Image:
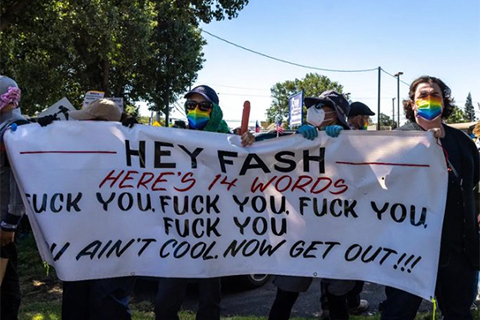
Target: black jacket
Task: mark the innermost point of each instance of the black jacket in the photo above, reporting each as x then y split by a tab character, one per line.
460	227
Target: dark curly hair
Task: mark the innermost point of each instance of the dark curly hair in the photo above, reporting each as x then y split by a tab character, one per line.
446	93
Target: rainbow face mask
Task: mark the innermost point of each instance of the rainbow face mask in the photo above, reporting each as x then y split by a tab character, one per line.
429	108
198	119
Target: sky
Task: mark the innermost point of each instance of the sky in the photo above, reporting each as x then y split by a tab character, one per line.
439	38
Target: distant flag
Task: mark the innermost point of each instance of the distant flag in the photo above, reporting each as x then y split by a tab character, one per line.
257	127
278	127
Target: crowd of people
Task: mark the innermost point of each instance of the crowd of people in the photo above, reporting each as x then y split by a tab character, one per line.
428	105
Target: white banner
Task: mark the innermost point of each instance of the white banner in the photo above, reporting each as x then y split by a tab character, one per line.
108	201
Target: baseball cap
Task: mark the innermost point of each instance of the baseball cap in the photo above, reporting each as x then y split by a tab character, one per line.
101	109
334	100
205	91
359	108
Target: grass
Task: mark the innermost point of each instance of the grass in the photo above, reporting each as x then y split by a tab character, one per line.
42	293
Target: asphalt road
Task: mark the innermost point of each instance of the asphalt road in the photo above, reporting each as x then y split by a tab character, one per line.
257	302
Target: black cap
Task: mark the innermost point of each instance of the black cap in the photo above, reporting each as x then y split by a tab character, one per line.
207	92
334	100
358	108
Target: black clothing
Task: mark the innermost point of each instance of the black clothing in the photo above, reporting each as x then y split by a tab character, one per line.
454	295
100	299
10	293
283	304
459	247
460	227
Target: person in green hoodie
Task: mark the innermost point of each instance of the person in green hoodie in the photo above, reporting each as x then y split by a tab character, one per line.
203	113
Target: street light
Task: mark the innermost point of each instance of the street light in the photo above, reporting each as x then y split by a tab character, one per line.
397	75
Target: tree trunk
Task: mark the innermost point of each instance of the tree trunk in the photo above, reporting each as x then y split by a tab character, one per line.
105	75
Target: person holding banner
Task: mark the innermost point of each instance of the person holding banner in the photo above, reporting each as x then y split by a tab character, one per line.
428	105
11	204
358	119
326	113
359	116
329	114
203	113
102	298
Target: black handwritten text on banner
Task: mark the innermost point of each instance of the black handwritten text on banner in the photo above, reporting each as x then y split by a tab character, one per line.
106	201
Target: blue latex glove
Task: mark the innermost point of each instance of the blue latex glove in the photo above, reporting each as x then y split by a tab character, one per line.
333	131
308	131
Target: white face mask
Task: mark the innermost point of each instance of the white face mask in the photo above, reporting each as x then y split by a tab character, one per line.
315	116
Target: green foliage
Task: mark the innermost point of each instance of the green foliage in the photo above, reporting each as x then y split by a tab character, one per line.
312	85
174	58
457	116
386	121
132	110
135	49
469	109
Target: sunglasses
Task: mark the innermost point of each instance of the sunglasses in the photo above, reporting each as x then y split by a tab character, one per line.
203	106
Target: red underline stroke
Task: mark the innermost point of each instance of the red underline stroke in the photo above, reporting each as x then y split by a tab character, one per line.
384	164
63	152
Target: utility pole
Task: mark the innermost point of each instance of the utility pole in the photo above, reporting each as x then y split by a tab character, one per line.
393	110
378	109
397	75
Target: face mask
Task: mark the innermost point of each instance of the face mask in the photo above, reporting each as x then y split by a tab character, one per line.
429	108
315	116
198	119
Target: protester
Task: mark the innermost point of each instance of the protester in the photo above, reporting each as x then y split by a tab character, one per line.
358	119
103	298
11	205
359	116
328	112
203	113
428	105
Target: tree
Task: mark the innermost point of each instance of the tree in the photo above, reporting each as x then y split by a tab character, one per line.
65	48
457	116
174	59
312	85
469	109
385	121
198	10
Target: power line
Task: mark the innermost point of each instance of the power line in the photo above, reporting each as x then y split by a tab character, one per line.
294	63
391	75
179	109
243	95
284	61
221	85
